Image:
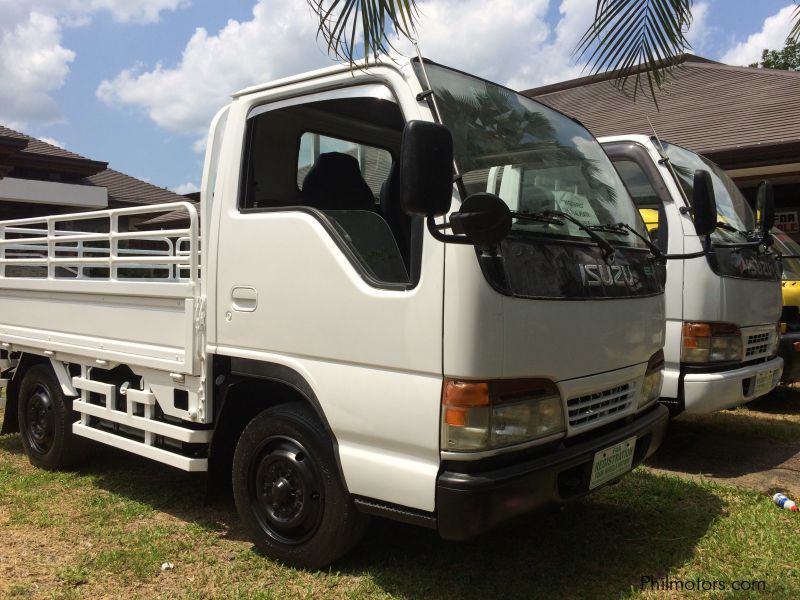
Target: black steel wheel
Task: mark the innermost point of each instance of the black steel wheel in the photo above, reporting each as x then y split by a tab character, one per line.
288	491
45	419
39	425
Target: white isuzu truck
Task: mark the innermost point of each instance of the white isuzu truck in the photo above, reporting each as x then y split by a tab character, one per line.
352	326
722	334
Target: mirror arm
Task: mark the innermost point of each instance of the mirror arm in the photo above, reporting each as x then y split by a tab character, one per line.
703	252
435	231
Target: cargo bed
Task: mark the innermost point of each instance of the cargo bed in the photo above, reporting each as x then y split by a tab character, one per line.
89	285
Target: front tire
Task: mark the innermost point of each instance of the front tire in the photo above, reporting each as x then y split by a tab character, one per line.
45	421
288	491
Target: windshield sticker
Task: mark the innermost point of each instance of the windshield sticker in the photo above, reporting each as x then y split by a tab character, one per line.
577	206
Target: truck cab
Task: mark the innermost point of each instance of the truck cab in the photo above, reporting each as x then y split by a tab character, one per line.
355	326
722	309
790	316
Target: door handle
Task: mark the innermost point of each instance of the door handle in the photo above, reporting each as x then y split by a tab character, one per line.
244	298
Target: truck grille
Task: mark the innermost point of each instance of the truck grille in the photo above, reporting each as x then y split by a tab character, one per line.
600	407
757	344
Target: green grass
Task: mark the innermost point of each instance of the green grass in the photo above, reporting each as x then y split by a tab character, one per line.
105	530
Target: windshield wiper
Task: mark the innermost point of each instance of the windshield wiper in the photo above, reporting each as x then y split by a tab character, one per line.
625	229
557	217
539	217
728	227
754	237
610	228
654	250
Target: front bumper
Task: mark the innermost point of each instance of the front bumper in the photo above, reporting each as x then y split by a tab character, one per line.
791	358
709	392
471	503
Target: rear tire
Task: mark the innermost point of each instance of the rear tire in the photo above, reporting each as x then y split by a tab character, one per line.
45	421
288	491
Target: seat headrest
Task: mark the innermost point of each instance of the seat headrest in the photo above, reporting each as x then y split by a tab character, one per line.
390	194
334	182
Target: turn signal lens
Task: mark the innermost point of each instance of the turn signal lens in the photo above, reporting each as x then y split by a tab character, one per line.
499	413
465	393
711	342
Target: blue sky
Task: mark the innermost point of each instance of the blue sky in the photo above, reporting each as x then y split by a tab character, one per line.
135	82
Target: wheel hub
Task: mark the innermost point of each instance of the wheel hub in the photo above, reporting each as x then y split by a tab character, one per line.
40	420
287	492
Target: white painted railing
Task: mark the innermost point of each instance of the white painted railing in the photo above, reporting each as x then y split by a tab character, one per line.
58	243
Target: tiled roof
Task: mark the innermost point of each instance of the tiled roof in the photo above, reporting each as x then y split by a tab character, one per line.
123	190
176	219
707	106
36	146
129	190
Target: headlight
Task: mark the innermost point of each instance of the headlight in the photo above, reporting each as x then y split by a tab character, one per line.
776	341
653	379
494	414
711	342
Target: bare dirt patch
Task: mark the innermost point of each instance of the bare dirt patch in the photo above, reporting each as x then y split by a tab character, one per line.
756	447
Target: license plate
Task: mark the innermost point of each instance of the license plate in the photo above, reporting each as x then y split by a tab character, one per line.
763	383
612	462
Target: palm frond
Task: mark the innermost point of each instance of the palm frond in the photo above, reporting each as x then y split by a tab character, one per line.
794	34
629	33
354	29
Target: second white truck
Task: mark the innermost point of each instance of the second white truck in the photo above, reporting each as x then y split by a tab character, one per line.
722	331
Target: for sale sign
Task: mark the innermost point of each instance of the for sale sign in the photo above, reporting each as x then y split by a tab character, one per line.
787	221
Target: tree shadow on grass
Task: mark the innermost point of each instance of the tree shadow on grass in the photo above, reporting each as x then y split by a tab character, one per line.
783	400
163	488
720	445
600	546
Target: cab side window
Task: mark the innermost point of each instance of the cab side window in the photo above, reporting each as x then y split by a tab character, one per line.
334	160
650	206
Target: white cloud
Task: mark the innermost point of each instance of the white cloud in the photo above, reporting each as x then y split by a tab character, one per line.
77	12
186	188
555	60
33	61
701	32
279	40
139	11
772	36
52	142
504	40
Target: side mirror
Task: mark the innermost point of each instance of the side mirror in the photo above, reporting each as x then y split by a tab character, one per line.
765	207
483	218
704	204
426	169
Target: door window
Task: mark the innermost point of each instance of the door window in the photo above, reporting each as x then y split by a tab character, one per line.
332	158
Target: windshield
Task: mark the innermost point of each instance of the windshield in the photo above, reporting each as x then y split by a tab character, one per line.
536	159
786	246
733	213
